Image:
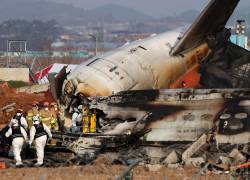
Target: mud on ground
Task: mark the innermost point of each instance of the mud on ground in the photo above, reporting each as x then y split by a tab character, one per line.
102	171
102	168
22	100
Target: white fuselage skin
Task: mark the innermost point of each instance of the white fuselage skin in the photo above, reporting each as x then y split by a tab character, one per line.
143	64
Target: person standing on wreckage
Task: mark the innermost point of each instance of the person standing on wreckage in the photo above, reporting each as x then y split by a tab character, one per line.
19	136
77	119
40	133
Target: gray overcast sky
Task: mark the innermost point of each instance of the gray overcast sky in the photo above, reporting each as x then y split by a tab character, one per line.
151	7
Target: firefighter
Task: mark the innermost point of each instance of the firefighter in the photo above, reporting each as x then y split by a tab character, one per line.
86	119
48	117
93	121
32	112
54	108
19	136
21	119
40	133
77	119
54	124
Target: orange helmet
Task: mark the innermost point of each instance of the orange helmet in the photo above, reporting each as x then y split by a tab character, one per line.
35	103
46	104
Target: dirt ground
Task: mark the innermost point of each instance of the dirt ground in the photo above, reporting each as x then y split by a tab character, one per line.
102	172
22	100
102	168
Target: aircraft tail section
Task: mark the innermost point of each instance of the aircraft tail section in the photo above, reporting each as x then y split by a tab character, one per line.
212	20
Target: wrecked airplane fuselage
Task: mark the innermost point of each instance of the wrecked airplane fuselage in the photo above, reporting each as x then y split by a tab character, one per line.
177	115
141	65
154	63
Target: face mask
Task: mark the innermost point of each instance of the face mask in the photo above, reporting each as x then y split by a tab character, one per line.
36	122
15	122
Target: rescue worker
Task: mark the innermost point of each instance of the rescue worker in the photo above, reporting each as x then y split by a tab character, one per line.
40	133
48	117
32	112
54	124
86	119
93	121
22	120
19	136
35	107
54	108
77	119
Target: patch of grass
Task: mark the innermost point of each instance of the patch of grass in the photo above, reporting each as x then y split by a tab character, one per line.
17	84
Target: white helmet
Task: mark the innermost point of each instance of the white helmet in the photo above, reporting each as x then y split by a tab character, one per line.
15	122
36	119
19	114
79	107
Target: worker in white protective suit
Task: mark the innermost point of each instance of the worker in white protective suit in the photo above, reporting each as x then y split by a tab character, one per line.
22	121
40	133
19	136
77	119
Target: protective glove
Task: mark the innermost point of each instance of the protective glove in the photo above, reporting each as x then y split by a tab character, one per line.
49	140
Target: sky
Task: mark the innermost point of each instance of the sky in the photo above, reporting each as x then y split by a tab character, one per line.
155	8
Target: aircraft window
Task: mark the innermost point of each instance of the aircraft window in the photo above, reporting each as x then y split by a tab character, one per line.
236	125
244	103
241	116
113	68
93	61
189	117
206	117
225	116
133	50
142	48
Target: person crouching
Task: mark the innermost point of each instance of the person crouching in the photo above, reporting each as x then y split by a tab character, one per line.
19	136
40	133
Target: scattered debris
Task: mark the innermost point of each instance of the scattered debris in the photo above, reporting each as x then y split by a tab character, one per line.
174	166
172	158
8	107
153	168
237	156
127	173
196	162
194	147
225	160
245	165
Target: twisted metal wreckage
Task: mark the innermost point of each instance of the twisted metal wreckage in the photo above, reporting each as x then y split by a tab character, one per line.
116	85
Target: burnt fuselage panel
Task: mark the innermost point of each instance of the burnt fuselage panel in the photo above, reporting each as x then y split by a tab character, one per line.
176	115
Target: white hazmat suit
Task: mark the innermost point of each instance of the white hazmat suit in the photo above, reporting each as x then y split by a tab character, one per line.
19	136
23	122
77	119
40	133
